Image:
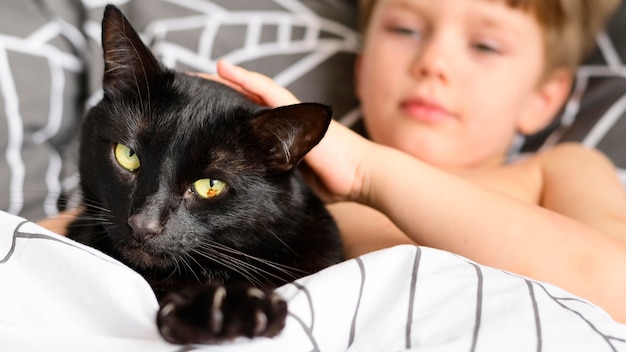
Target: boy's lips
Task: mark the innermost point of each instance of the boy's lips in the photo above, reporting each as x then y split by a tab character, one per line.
424	110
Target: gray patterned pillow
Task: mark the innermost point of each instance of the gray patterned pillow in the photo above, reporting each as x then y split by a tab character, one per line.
307	45
41	75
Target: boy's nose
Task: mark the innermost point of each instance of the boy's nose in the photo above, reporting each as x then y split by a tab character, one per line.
433	60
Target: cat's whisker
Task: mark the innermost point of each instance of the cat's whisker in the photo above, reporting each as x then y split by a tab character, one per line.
181	267
86	216
165	278
187	265
177	267
93	205
81	225
98	234
266	273
283	243
175	272
233	264
222	259
88	220
288	270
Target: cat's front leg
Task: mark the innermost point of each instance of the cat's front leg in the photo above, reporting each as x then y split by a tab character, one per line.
216	313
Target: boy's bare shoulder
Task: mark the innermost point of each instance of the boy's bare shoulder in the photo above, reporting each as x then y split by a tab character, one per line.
571	157
570	171
567	168
582	183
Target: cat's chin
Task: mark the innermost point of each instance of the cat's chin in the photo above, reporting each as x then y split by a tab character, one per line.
141	258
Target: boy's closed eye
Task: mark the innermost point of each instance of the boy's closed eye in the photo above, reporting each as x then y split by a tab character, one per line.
489	41
404	24
485	47
406	31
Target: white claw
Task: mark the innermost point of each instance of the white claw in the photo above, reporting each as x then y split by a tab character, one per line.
255	292
165	331
217	317
276	298
167	310
260	323
218	297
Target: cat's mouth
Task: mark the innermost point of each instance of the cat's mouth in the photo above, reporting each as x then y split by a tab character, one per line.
146	256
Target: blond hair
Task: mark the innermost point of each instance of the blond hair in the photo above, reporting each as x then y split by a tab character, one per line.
569	26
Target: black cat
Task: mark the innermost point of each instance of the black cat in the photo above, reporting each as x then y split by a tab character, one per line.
195	187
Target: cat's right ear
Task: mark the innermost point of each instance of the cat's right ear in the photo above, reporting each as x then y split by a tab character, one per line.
287	133
128	63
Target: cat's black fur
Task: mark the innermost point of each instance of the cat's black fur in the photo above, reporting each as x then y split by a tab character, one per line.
204	258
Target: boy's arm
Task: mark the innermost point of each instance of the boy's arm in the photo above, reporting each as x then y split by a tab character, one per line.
58	223
439	209
364	229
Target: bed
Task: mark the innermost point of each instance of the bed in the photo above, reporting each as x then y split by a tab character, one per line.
58	295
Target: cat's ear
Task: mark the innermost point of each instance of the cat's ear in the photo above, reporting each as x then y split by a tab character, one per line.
289	132
128	63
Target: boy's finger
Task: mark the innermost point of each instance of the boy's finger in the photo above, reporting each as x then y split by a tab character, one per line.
255	98
257	84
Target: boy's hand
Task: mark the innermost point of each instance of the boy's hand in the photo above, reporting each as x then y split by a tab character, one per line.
334	168
342	165
257	87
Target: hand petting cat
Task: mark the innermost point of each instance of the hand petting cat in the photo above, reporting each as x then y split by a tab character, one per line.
334	167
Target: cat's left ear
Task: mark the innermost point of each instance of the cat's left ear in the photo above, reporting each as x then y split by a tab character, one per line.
289	132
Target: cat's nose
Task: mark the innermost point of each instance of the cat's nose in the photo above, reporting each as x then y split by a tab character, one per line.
144	227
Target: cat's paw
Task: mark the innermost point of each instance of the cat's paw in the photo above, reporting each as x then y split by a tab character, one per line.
216	314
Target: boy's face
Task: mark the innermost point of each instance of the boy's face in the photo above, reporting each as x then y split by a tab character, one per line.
451	81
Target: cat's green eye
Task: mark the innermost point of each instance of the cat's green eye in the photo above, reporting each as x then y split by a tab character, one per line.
126	157
208	188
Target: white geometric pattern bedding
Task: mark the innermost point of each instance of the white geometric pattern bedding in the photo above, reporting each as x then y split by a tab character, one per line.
58	295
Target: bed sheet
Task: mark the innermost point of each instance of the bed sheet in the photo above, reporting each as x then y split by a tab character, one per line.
58	295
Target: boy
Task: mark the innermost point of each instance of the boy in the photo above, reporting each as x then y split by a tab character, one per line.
444	86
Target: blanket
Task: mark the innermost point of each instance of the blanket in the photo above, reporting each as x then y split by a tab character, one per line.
58	295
